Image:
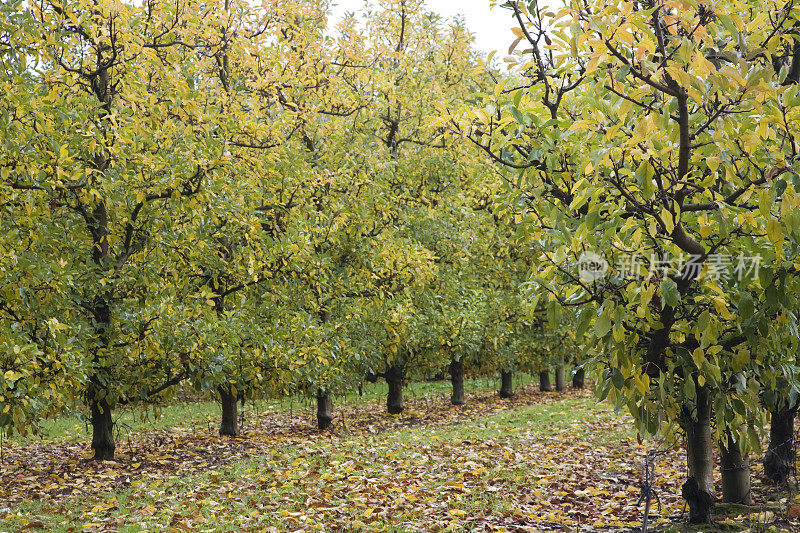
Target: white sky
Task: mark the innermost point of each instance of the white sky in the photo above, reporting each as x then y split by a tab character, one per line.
491	26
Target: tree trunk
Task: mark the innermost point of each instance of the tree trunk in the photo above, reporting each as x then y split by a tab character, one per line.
457	381
735	472
229	427
544	381
324	408
97	225
394	400
102	430
793	76
561	382
506	384
578	378
698	490
780	457
103	443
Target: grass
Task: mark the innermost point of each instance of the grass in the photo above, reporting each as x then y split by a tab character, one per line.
391	481
76	427
559	461
204	413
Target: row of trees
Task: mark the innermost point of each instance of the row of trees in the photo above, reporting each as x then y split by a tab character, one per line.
213	194
232	197
658	139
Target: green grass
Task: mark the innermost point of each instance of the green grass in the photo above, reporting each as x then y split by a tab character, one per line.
279	482
204	413
76	427
493	471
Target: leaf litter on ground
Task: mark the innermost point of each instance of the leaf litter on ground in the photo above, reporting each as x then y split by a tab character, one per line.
537	462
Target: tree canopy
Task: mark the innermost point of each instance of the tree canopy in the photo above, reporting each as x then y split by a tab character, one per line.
242	200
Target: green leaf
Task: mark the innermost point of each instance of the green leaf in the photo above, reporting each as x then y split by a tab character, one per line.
602	325
688	389
746	306
670	293
617	379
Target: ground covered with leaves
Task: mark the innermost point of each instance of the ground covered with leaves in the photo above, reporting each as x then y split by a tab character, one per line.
539	462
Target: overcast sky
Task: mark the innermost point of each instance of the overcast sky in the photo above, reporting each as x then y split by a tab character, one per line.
490	26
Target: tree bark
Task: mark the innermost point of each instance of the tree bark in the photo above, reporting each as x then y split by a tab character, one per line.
735	472
506	384
561	381
780	457
324	410
578	378
394	400
793	76
698	490
457	381
102	423
102	430
229	426
544	381
96	221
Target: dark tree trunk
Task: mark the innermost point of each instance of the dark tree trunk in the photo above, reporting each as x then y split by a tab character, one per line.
102	430
228	397
578	378
457	381
698	490
394	400
324	410
735	472
561	381
103	443
229	426
780	457
544	381
97	225
793	76
506	384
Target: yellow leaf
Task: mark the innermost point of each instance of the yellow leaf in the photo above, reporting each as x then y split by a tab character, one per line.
698	356
642	385
705	227
774	231
669	223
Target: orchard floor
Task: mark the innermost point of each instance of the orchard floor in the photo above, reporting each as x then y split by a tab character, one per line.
539	462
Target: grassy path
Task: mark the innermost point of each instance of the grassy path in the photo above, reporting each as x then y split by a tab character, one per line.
542	462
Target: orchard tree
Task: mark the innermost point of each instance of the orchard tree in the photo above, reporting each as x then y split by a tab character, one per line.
112	139
659	138
455	316
384	173
353	253
781	397
248	235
